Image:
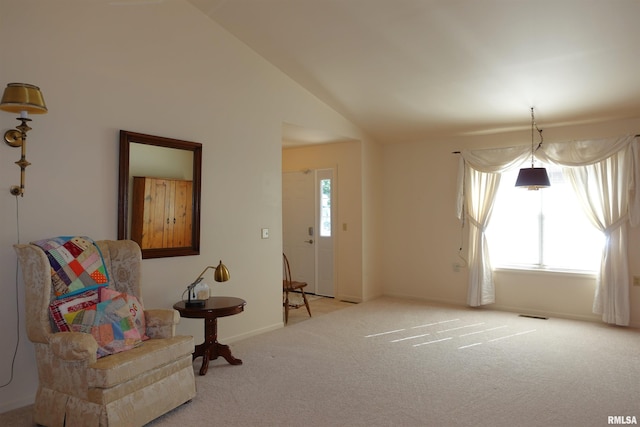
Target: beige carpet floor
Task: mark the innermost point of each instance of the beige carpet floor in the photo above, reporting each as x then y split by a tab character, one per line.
319	306
395	362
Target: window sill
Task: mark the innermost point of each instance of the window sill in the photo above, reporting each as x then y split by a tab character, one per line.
546	271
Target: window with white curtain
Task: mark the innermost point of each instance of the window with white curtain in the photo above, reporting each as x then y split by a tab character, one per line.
544	229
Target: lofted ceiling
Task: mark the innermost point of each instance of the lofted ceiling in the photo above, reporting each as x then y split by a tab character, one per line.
419	70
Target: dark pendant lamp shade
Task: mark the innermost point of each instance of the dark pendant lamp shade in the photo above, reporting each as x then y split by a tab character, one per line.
533	178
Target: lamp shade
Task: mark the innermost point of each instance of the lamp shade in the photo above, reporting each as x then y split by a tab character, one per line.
533	178
221	274
18	97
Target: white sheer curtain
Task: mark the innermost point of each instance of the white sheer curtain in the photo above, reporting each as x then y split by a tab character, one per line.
478	180
604	174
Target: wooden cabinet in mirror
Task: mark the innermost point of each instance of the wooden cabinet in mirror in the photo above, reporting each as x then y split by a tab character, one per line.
159	194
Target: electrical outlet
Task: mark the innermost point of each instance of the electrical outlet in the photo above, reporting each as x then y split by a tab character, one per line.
636	280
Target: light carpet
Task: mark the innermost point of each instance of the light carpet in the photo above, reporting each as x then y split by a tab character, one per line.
393	362
396	362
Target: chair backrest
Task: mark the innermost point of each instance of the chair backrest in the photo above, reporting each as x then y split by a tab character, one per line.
286	273
122	259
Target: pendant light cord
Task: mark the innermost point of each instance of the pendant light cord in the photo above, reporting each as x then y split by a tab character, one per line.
534	125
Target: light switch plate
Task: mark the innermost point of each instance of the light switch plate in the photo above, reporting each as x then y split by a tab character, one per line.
265	233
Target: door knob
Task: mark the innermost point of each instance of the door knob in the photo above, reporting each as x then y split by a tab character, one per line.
310	241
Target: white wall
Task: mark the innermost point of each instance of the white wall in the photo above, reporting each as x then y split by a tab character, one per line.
161	69
422	235
373	199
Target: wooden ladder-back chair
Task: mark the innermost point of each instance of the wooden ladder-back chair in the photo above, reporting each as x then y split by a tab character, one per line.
289	285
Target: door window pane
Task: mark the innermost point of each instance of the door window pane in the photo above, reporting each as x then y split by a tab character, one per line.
325	208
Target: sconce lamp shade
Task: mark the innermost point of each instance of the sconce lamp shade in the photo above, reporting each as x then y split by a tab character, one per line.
18	97
533	178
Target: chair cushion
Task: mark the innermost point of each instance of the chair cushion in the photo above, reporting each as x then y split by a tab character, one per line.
117	368
151	386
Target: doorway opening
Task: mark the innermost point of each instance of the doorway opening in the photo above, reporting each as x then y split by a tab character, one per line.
308	225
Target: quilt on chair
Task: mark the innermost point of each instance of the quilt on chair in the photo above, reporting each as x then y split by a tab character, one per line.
76	264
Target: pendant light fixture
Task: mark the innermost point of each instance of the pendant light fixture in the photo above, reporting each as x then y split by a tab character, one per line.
533	178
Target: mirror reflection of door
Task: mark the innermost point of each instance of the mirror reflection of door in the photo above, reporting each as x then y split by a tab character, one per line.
308	212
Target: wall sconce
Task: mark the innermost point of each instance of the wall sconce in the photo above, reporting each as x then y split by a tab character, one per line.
21	98
221	274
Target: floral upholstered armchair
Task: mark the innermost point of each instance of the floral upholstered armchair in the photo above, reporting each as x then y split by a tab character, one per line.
78	384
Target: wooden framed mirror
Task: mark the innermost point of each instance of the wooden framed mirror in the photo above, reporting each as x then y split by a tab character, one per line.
159	185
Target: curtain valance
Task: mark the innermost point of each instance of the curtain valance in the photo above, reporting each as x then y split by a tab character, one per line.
583	153
568	154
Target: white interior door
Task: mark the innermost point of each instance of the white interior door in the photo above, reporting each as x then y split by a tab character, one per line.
325	212
308	221
298	226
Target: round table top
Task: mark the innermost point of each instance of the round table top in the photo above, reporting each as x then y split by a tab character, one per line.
214	306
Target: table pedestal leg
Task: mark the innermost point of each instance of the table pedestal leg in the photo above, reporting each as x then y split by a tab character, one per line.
210	349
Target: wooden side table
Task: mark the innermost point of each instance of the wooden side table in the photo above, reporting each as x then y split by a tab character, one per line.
215	307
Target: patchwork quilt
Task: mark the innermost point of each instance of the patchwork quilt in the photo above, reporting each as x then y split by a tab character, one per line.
110	323
63	305
76	264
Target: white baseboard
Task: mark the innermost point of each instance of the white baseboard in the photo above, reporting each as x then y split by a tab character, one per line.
259	331
349	298
433	300
560	315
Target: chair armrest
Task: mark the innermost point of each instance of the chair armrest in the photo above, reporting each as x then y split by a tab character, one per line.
74	346
161	323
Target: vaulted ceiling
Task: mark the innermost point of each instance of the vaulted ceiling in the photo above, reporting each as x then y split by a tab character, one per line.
419	70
